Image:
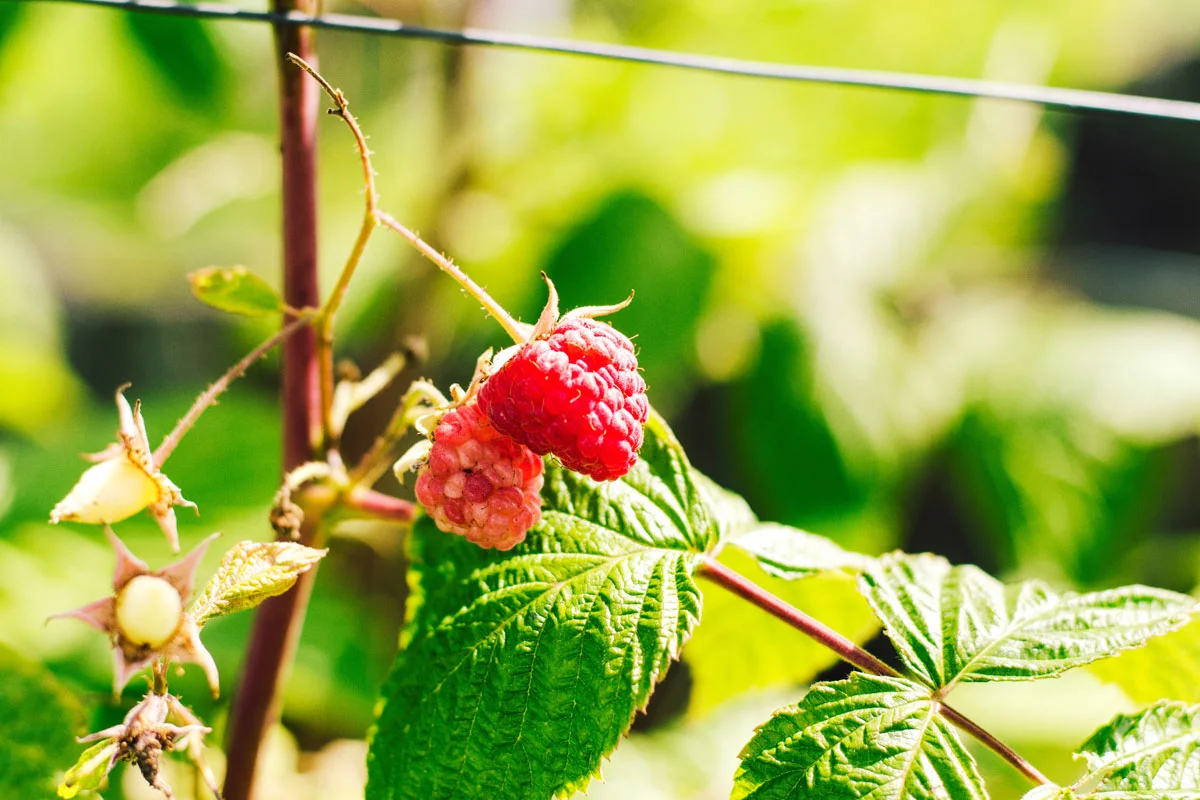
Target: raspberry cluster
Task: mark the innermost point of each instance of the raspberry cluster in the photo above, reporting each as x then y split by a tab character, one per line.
479	483
574	393
571	390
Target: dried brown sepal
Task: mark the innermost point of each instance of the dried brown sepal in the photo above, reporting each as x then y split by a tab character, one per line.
180	639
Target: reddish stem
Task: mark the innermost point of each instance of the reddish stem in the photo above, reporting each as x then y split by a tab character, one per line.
748	590
381	506
278	621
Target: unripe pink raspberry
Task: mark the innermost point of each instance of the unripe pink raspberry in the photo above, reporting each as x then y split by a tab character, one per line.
479	483
574	392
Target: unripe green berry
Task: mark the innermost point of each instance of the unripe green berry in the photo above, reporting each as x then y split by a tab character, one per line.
149	611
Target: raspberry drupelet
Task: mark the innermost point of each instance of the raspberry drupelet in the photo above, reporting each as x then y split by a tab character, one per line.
574	392
479	483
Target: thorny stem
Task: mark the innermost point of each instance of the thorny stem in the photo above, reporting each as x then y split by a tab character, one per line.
370	222
374	217
748	590
210	395
753	593
514	329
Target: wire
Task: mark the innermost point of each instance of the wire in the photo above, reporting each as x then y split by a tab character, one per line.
1076	99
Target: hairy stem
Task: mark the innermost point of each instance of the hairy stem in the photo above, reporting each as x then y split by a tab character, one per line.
278	620
210	395
748	590
370	222
753	593
381	506
515	329
374	217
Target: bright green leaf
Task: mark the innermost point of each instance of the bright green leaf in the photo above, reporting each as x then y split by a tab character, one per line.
792	553
1167	667
91	768
1152	755
739	648
250	573
730	511
953	624
236	290
866	736
38	723
525	668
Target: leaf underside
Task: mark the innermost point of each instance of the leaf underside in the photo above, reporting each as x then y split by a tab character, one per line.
953	624
865	736
524	669
236	290
788	552
1152	754
740	649
250	573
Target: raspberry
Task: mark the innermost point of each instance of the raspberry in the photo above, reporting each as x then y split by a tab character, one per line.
479	483
574	392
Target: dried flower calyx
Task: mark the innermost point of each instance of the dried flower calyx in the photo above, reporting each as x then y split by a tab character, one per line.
124	480
141	739
145	617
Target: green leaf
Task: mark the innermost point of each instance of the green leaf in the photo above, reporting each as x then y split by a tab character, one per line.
1167	667
184	54
730	511
91	768
37	728
1152	754
954	624
788	552
236	290
250	573
524	669
866	736
740	649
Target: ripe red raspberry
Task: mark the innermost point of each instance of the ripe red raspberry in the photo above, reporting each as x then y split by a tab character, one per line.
574	392
479	483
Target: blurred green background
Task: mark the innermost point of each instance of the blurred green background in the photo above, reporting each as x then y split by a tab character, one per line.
901	321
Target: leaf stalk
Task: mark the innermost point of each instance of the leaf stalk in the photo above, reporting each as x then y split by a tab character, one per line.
751	592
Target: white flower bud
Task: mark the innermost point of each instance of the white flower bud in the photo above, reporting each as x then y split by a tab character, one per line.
111	491
149	611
